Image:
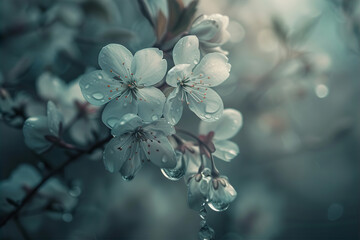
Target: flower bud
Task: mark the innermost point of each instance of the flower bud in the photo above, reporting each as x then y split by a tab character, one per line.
211	31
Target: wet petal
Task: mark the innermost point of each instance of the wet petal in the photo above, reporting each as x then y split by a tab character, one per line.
148	66
34	130
213	69
226	150
222	195
160	152
115	59
186	51
133	164
128	123
198	192
160	128
206	104
177	73
116	152
151	103
116	109
173	107
226	127
99	88
54	118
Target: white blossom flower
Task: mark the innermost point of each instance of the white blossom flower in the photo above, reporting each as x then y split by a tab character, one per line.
23	179
221	194
135	142
223	129
37	128
125	81
192	81
211	31
198	189
72	105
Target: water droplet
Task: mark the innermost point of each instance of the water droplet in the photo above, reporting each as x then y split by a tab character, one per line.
98	96
206	233
100	76
154	117
128	178
67	217
218	206
87	86
75	191
112	121
164	159
196	61
212	106
202	213
321	91
207	116
173	174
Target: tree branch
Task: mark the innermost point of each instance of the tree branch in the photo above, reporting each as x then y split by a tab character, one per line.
54	172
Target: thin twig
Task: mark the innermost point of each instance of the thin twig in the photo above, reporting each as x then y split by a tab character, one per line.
54	172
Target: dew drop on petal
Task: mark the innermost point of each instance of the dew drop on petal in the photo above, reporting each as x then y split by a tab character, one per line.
207	116
218	206
154	117
100	76
212	107
164	159
196	61
87	86
98	96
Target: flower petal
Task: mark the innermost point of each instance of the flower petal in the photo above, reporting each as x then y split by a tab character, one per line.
160	152
206	104
160	128
128	123
222	196
115	58
198	192
49	86
226	127
54	118
213	69
116	152
173	107
148	66
99	88
186	51
226	150
151	102
34	130
177	73
116	109
133	164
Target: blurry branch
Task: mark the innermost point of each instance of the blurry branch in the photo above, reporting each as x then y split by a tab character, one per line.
54	172
22	229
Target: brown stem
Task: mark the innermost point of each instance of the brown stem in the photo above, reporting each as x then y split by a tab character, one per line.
214	170
54	172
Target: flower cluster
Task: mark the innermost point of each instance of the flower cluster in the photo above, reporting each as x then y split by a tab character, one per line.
140	97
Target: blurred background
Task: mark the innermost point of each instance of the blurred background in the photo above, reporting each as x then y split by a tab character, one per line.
295	78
